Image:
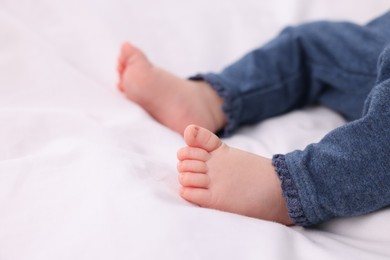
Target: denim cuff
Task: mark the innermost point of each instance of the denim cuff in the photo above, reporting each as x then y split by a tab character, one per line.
230	107
290	191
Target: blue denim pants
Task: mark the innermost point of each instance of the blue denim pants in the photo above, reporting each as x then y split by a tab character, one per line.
340	65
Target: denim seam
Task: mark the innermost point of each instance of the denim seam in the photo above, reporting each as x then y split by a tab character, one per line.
342	71
275	86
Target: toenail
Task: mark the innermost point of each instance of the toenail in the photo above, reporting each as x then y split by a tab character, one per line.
196	130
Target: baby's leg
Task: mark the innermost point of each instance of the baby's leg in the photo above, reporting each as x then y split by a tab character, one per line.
347	172
320	62
217	176
172	101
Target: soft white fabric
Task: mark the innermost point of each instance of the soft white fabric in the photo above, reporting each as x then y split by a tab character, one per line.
87	174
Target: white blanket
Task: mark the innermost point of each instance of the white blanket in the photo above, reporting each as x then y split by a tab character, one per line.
87	174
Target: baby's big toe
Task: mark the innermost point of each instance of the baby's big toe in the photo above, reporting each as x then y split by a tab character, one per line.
196	136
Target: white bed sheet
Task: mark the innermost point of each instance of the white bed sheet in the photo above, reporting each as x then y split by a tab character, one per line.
87	174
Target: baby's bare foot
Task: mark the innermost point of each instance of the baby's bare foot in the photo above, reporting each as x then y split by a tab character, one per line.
217	176
172	101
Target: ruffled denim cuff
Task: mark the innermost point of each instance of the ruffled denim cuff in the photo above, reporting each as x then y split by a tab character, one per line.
290	192
231	106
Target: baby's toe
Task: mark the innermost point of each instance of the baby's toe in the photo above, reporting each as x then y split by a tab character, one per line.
192	153
198	180
196	136
198	196
194	166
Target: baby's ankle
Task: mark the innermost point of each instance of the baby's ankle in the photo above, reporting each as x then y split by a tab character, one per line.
215	102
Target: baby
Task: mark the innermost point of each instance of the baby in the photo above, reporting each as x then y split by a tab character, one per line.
340	65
